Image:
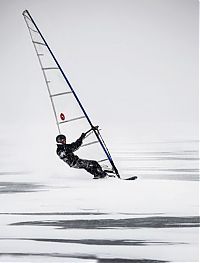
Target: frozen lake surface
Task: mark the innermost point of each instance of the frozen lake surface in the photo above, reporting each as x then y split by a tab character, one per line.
62	215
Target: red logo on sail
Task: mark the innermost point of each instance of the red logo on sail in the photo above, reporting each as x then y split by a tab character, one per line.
62	116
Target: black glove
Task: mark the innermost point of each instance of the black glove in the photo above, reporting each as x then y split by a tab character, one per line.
83	135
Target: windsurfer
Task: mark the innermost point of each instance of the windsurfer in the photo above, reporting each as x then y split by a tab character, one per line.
66	153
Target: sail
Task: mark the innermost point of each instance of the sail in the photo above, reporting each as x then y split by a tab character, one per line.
71	118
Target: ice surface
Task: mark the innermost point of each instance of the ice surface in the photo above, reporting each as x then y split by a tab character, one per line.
51	213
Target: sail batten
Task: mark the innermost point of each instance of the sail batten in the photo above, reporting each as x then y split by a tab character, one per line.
69	113
39	43
90	143
75	119
60	94
104	160
49	68
32	29
25	16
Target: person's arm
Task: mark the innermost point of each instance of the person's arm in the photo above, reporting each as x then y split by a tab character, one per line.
75	145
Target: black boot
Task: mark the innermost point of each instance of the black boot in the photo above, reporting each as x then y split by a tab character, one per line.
103	175
96	176
100	176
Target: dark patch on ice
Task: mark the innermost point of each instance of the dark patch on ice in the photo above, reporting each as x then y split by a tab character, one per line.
126	213
124	260
16	187
99	242
107	242
82	256
147	222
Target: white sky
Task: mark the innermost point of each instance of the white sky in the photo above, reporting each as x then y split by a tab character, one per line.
133	63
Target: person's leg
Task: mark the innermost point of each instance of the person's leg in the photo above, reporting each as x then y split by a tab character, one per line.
92	167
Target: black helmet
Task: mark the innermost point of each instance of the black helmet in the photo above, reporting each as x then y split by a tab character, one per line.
60	137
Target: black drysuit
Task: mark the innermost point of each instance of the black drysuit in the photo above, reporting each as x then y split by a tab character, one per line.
65	152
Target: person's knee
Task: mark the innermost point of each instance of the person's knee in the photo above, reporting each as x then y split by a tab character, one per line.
96	164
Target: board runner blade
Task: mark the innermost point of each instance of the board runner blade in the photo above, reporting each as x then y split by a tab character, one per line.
131	178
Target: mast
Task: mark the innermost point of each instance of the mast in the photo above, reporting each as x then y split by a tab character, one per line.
27	15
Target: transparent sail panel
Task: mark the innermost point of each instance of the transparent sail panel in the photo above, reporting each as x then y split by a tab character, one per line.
70	118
